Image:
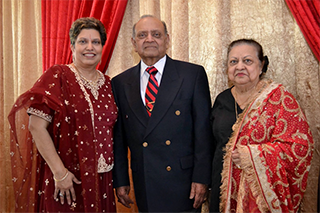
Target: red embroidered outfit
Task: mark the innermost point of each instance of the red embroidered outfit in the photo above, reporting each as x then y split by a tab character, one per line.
276	146
81	119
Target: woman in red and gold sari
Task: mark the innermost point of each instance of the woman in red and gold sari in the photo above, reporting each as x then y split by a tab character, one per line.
270	146
71	117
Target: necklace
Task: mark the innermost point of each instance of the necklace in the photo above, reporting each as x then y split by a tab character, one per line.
92	85
244	103
236	109
256	91
237	116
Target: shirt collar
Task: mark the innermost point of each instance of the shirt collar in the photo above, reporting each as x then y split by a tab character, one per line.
159	65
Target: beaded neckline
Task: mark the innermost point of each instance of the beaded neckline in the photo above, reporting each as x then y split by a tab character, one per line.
93	86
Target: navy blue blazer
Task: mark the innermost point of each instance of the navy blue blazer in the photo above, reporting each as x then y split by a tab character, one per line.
172	148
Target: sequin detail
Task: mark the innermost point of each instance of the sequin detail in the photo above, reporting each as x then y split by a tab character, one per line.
40	114
103	166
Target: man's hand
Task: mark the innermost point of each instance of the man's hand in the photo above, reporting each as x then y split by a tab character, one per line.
198	193
122	193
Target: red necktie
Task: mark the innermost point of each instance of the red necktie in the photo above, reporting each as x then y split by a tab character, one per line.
151	90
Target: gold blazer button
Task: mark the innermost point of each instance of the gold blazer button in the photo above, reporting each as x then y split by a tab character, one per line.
168	168
168	142
145	144
178	112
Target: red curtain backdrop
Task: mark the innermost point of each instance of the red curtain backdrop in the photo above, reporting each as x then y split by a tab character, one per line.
307	15
57	17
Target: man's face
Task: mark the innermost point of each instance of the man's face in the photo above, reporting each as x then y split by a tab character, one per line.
150	40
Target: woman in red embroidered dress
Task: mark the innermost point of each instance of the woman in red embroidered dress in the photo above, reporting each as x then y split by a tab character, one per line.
267	158
71	117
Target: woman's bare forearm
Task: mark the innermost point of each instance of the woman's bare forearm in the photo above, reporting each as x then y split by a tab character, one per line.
45	146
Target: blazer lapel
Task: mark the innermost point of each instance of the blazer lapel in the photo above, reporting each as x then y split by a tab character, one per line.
169	87
132	90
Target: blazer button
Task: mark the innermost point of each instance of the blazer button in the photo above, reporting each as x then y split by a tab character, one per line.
145	144
178	112
168	142
168	168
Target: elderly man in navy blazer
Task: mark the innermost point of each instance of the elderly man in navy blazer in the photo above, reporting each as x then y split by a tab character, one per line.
164	120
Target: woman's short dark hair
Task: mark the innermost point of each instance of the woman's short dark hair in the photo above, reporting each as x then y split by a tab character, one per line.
87	23
258	48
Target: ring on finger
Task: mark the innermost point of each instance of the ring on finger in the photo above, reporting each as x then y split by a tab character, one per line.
61	195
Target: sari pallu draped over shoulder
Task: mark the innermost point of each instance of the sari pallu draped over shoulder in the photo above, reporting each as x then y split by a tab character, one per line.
81	128
276	147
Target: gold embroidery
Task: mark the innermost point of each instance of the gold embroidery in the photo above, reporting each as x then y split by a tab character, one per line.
103	166
40	114
93	86
86	95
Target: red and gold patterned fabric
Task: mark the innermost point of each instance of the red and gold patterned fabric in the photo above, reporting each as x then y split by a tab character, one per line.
81	126
276	147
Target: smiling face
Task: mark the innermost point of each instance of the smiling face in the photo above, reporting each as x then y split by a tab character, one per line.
150	40
244	66
87	49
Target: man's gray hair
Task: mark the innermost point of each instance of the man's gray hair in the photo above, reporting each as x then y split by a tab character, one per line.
146	16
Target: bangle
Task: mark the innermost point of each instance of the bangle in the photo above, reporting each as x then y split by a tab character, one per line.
64	177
